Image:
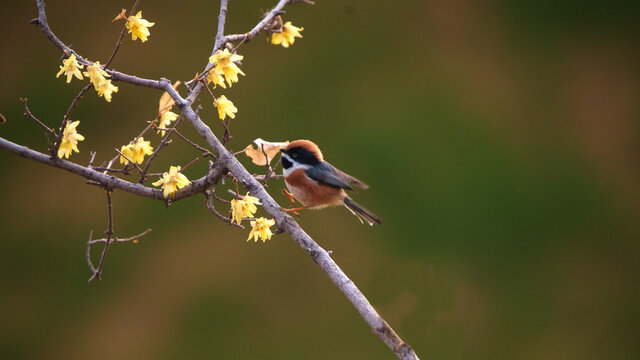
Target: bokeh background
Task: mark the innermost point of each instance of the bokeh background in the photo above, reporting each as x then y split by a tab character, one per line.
500	139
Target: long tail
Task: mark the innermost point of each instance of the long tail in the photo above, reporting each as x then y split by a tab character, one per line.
360	212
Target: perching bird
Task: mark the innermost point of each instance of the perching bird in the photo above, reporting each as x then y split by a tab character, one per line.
316	184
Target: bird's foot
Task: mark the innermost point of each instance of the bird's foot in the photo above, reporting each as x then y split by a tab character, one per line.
294	211
289	195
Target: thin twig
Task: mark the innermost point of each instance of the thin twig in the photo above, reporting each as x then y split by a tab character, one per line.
204	151
267	161
28	114
125	170
98	271
189	164
122	33
209	194
121	240
227	134
88	254
76	100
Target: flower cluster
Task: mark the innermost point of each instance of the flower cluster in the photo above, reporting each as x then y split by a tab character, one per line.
172	181
244	208
100	82
287	36
136	151
224	68
223	72
225	65
69	141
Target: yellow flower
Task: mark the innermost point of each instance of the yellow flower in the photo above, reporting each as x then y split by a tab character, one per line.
215	78
165	121
70	138
96	74
100	82
140	149
136	151
106	88
225	107
260	228
224	64
244	208
70	67
287	36
172	181
138	27
126	150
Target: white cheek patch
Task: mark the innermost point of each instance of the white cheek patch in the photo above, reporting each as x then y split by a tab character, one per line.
296	165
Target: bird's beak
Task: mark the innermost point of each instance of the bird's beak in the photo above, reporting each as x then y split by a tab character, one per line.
283	150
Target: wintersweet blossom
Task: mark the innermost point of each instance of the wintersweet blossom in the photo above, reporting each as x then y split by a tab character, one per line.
261	228
225	107
71	68
244	208
224	64
106	89
287	36
127	151
216	78
138	27
172	181
100	82
136	151
96	74
70	138
140	149
165	121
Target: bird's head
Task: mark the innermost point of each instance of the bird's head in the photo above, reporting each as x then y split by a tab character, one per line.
300	154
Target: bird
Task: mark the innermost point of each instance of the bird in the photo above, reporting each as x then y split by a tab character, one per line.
317	184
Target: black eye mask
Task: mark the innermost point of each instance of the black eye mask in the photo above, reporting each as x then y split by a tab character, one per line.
286	163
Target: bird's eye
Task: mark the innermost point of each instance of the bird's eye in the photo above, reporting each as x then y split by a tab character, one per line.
294	155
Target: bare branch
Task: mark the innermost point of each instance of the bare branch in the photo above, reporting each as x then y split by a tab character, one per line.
76	100
88	254
121	240
28	114
98	271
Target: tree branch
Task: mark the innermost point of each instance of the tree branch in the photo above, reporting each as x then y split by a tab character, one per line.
226	162
112	182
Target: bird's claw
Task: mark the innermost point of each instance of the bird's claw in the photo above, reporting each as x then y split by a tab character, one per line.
289	195
295	210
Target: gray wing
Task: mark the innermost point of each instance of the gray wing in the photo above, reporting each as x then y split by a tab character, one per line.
327	174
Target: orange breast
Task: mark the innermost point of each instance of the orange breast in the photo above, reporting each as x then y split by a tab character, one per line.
310	192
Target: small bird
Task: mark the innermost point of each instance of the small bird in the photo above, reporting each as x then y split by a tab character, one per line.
316	184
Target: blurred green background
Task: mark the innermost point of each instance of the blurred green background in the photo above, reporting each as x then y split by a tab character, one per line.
500	139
